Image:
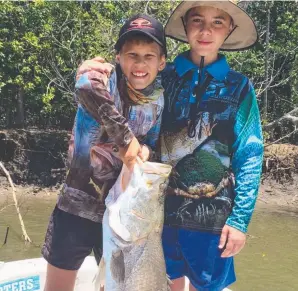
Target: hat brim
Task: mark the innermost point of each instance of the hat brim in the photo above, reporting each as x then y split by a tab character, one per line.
244	35
132	32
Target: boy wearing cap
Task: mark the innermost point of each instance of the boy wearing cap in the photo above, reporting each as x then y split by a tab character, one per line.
211	134
114	116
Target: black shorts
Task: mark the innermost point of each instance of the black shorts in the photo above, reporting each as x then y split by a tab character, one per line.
70	239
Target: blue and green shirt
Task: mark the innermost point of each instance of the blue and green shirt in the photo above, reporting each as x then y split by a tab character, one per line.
217	171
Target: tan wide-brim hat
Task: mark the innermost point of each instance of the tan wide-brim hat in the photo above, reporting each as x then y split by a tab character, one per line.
243	36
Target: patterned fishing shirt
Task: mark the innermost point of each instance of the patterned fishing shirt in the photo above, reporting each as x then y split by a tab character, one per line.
98	131
217	172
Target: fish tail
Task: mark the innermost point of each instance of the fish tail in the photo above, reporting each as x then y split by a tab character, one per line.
169	283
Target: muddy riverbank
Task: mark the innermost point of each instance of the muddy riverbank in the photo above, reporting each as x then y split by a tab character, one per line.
271	193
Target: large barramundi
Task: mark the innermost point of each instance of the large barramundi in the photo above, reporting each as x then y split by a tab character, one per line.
133	258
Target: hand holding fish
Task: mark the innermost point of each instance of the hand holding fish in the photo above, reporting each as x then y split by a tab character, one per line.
134	150
144	153
129	154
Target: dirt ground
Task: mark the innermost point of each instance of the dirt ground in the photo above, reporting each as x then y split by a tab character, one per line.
273	193
24	193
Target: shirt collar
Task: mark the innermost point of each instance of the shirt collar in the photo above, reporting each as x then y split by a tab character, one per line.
218	69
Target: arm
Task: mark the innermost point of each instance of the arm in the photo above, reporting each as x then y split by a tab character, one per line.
93	93
247	161
247	167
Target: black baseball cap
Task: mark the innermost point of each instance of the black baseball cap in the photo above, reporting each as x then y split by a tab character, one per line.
142	24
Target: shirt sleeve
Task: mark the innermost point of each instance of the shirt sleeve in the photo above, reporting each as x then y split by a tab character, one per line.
246	161
94	93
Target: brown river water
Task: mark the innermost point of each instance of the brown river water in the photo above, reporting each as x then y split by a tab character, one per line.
269	261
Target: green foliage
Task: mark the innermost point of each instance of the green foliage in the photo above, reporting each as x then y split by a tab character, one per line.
43	42
282	63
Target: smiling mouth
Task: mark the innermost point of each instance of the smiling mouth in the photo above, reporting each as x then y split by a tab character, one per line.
140	75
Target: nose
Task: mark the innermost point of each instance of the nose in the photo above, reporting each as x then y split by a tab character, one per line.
205	28
139	60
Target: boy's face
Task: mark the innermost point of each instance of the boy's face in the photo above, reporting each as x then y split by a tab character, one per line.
207	29
140	62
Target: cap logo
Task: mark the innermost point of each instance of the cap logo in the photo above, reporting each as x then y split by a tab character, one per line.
140	23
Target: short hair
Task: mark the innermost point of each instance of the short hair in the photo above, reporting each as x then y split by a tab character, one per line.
140	38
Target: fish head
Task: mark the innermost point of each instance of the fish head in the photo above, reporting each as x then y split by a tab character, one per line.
140	208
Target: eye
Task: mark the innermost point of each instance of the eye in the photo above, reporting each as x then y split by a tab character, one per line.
217	22
197	20
132	55
149	56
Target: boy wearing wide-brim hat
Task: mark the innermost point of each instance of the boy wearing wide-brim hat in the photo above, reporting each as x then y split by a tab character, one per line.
212	136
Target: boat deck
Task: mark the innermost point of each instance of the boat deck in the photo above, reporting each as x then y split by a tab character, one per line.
30	274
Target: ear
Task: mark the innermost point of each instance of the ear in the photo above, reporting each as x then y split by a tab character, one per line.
231	27
162	63
117	58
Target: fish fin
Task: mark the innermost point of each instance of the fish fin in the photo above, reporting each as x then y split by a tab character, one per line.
169	283
99	279
117	266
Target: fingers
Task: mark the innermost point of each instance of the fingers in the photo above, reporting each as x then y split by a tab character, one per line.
139	161
98	59
232	249
129	153
228	250
223	237
237	248
108	68
91	65
95	64
233	240
144	153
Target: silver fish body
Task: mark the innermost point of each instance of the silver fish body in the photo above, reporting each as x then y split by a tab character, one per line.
132	225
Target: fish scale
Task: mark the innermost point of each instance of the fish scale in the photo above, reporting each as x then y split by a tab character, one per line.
149	272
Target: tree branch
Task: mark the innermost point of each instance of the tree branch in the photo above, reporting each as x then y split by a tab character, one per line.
25	235
278	140
290	116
